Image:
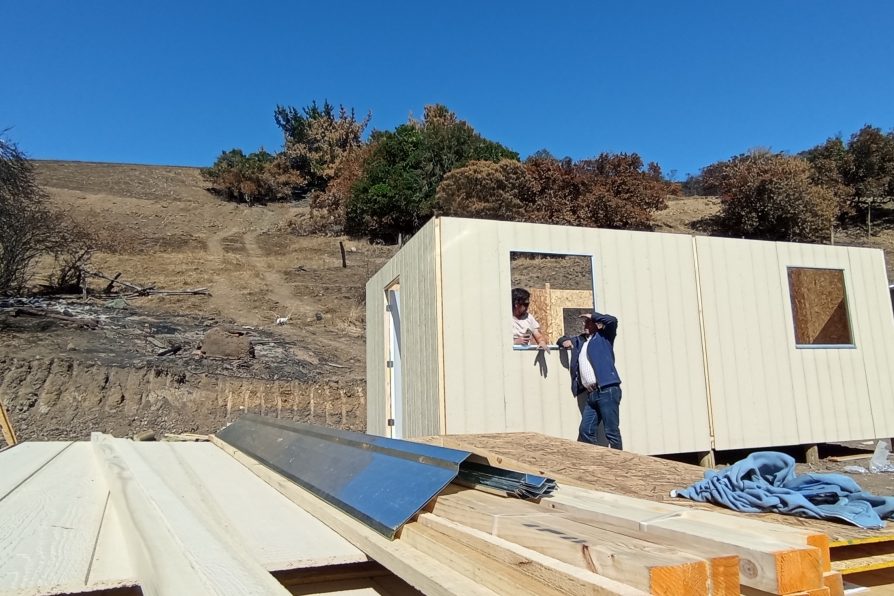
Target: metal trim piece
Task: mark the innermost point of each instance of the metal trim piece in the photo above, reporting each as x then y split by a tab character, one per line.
380	481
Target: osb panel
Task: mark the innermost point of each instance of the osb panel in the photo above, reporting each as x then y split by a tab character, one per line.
549	308
819	306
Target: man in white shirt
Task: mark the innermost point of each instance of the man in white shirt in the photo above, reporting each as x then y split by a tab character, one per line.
525	327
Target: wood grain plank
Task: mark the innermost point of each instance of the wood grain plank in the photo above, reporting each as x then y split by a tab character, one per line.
50	522
272	529
501	558
173	545
636	562
23	460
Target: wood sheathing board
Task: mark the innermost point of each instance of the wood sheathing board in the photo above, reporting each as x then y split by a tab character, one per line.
819	306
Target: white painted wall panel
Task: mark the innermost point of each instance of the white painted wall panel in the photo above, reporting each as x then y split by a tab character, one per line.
874	322
764	390
647	280
416	268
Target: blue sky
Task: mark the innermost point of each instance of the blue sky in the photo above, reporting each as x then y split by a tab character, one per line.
685	84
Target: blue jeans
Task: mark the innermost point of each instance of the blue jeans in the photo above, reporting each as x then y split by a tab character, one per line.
602	406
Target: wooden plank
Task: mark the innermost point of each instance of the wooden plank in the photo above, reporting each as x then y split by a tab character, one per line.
22	461
498	562
416	568
174	547
766	561
644	477
632	561
9	434
854	457
834	581
49	523
273	530
111	565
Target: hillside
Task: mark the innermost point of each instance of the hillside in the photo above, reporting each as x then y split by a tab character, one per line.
157	226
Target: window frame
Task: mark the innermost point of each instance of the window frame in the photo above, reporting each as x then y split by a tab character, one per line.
592	257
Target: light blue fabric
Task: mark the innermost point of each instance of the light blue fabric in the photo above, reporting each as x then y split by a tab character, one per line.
766	481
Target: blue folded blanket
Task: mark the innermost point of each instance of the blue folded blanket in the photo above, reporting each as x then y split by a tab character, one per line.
766	481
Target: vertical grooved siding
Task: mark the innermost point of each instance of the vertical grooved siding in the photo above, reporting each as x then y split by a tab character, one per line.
763	390
415	267
491	388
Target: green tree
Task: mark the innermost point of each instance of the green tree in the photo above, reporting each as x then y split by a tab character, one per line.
770	196
396	191
315	140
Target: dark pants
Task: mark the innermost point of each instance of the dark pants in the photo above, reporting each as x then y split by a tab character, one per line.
602	406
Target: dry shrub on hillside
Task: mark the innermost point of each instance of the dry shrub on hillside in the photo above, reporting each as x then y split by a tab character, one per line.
485	189
29	229
610	191
770	196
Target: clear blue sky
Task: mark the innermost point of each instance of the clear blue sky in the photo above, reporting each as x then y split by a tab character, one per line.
682	83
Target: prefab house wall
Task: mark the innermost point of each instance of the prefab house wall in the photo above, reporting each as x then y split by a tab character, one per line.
415	269
765	390
705	348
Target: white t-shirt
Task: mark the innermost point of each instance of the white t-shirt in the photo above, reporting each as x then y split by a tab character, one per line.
524	328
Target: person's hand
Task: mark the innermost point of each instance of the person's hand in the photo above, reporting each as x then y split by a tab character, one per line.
520	341
543	346
567	344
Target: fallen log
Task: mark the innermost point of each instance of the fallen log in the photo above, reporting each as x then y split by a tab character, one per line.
37	312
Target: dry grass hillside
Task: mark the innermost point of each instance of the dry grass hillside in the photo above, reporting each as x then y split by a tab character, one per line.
106	368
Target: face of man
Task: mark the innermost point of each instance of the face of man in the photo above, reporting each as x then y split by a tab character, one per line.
520	309
590	326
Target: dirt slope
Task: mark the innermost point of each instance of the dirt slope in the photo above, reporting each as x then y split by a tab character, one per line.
158	226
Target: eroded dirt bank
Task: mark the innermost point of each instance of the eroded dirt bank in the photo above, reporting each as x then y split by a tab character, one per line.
62	398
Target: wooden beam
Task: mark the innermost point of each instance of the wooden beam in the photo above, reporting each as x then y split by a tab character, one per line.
644	565
504	566
9	434
416	568
772	558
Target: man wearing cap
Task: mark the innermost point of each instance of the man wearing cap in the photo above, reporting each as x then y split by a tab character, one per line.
593	371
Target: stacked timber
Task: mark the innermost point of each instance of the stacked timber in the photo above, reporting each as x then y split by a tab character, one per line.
580	541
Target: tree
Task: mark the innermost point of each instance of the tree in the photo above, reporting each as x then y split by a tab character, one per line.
246	178
486	189
612	191
770	196
396	192
29	229
315	140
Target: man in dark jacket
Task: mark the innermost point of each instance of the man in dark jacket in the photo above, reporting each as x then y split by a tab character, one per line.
593	371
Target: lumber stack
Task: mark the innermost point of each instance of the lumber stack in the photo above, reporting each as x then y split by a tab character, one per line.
624	540
580	541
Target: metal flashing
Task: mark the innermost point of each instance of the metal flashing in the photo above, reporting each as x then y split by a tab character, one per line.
380	481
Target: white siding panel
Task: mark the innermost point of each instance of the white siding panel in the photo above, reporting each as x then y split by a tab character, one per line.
764	390
416	268
873	321
647	280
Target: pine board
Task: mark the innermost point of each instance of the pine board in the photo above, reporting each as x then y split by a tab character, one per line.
49	524
22	460
273	529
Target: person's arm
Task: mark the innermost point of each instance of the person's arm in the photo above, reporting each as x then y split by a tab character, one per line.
563	340
539	338
607	324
